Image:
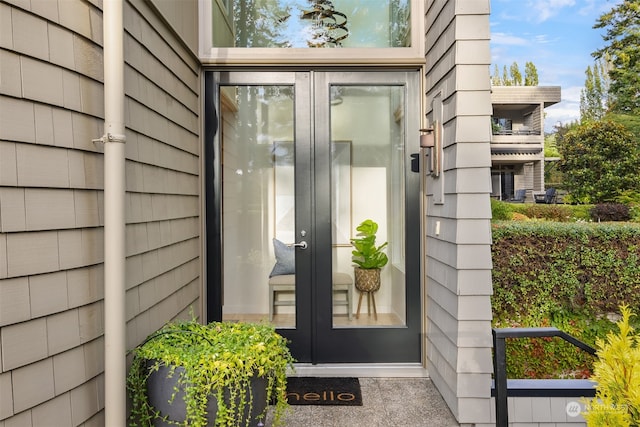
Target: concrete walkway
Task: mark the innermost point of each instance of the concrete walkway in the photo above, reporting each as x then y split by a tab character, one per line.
387	402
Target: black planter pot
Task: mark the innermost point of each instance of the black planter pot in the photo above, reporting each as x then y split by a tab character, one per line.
160	389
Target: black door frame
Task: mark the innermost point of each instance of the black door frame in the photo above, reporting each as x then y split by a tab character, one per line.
319	336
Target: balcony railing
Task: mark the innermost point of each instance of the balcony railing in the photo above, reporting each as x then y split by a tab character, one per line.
516	132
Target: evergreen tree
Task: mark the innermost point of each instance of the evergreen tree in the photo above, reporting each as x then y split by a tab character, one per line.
622	38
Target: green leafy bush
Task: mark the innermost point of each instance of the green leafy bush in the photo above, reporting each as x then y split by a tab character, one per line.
553	357
631	198
581	212
501	211
549	267
599	160
567	275
559	213
617	374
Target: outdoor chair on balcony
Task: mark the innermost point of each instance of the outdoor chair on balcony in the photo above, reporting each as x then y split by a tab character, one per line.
547	197
519	196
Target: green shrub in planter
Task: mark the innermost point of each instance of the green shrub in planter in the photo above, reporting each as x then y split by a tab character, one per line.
219	362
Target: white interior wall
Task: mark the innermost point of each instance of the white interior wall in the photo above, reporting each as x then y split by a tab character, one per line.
249	256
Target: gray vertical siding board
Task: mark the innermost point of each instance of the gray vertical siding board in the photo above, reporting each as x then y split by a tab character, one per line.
457	69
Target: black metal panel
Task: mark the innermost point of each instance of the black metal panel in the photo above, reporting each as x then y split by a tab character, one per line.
213	244
552	388
384	344
549	388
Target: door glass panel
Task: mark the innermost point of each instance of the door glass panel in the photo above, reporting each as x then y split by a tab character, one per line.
367	162
322	23
258	223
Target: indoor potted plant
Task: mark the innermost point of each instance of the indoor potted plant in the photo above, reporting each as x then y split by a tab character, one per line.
221	374
368	257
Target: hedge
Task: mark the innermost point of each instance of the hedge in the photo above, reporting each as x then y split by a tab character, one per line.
569	275
549	266
562	213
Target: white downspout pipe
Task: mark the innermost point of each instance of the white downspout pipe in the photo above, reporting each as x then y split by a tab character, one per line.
114	215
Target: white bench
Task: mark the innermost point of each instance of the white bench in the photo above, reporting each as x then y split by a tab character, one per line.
286	283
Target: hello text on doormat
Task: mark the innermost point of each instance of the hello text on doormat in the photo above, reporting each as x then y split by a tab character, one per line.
323	391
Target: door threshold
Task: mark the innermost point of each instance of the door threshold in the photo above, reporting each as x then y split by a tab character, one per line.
362	370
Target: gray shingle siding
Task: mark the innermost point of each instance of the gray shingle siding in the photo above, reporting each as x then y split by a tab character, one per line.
458	236
51	199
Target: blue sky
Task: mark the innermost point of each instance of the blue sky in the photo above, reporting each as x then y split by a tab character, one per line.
557	36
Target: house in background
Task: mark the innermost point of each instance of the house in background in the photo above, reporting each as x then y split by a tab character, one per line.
228	148
517	141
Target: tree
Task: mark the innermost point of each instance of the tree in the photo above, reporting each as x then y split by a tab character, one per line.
530	74
594	98
513	77
622	38
599	160
496	80
561	130
631	122
506	80
516	76
550	145
590	105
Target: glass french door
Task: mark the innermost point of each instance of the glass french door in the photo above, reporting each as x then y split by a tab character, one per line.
296	161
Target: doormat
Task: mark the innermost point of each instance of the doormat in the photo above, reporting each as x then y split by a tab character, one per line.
324	391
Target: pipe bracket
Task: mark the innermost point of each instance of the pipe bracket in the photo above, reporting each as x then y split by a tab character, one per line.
110	137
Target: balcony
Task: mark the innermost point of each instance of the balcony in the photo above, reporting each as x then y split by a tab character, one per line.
522	131
520	135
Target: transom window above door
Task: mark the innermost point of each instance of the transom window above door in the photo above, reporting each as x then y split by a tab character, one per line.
322	23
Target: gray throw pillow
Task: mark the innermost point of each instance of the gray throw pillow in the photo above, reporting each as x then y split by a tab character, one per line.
285	259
